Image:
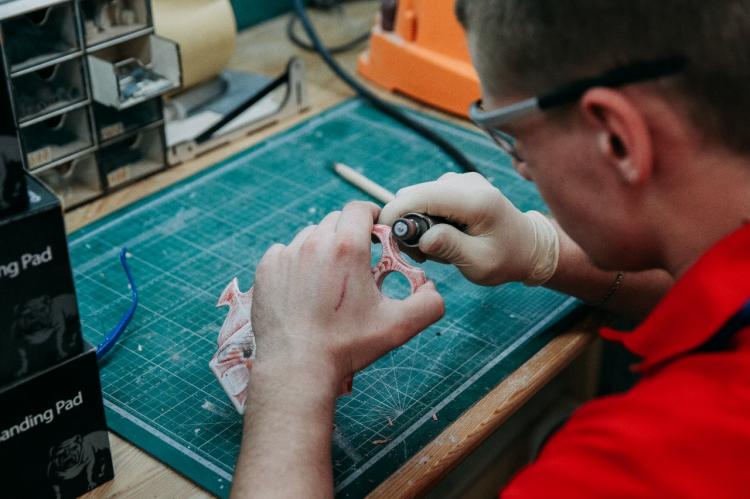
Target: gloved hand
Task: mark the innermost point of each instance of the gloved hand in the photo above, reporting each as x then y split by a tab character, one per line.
499	243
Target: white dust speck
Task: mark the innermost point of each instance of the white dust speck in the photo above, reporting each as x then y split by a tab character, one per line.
175	358
140	347
129	254
311	210
211	407
197	430
424	460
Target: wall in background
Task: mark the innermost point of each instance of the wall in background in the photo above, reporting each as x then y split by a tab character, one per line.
250	12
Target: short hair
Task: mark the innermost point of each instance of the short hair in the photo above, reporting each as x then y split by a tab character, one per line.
531	46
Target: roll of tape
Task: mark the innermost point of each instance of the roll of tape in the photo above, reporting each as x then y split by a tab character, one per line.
205	30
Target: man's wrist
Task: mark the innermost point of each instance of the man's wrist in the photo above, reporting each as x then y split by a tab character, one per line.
288	425
546	251
283	381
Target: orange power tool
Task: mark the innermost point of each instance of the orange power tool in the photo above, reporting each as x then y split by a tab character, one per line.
419	49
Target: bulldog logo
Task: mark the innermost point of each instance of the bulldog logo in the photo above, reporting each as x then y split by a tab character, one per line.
79	463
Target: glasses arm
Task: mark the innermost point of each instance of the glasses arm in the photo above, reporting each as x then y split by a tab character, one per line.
624	75
488	119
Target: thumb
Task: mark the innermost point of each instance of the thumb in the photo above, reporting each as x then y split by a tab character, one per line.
445	243
415	313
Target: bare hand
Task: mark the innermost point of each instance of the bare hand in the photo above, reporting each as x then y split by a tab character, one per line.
317	309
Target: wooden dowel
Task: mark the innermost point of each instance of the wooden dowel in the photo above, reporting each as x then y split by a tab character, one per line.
363	183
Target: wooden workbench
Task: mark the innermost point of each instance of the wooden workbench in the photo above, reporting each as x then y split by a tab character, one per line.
265	49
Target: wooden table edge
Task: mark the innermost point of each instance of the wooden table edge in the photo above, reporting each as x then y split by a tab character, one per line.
447	450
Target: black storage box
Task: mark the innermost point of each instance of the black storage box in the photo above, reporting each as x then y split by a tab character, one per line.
13	196
12	180
53	435
39	323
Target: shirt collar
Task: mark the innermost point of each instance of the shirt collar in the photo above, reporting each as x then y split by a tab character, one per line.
696	307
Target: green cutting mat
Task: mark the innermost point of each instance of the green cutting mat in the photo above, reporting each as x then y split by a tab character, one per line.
188	241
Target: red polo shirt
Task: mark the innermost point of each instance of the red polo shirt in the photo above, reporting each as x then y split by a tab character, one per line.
684	429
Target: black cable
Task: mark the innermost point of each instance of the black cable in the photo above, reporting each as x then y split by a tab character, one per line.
374	100
337	49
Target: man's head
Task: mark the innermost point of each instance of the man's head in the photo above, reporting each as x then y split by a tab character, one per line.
621	146
532	46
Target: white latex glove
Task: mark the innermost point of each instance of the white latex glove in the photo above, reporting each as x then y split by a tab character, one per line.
499	243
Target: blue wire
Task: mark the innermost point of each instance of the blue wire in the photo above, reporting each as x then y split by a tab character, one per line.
110	340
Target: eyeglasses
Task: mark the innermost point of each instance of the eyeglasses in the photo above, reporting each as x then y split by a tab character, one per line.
566	94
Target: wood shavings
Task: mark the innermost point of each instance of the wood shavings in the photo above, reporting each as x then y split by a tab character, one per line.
381	441
434	417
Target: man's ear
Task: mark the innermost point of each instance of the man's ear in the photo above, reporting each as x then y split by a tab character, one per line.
623	136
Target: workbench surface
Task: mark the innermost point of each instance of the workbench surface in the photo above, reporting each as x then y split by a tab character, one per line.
265	49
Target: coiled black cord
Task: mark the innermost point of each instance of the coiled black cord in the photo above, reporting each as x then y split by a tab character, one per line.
384	107
291	33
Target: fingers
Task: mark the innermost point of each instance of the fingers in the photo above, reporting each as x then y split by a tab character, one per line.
273	251
268	261
355	222
328	224
300	238
445	243
414	314
449	197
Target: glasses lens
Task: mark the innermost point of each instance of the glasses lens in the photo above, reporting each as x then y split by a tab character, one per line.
506	142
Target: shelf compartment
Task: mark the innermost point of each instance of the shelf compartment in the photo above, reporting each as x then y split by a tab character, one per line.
40	36
107	20
75	182
49	89
133	156
134	71
111	123
57	137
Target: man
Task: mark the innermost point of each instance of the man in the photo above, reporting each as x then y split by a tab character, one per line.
642	152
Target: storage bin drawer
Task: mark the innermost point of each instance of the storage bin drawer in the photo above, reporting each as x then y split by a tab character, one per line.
39	36
111	123
107	20
75	182
134	71
49	89
56	138
133	156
